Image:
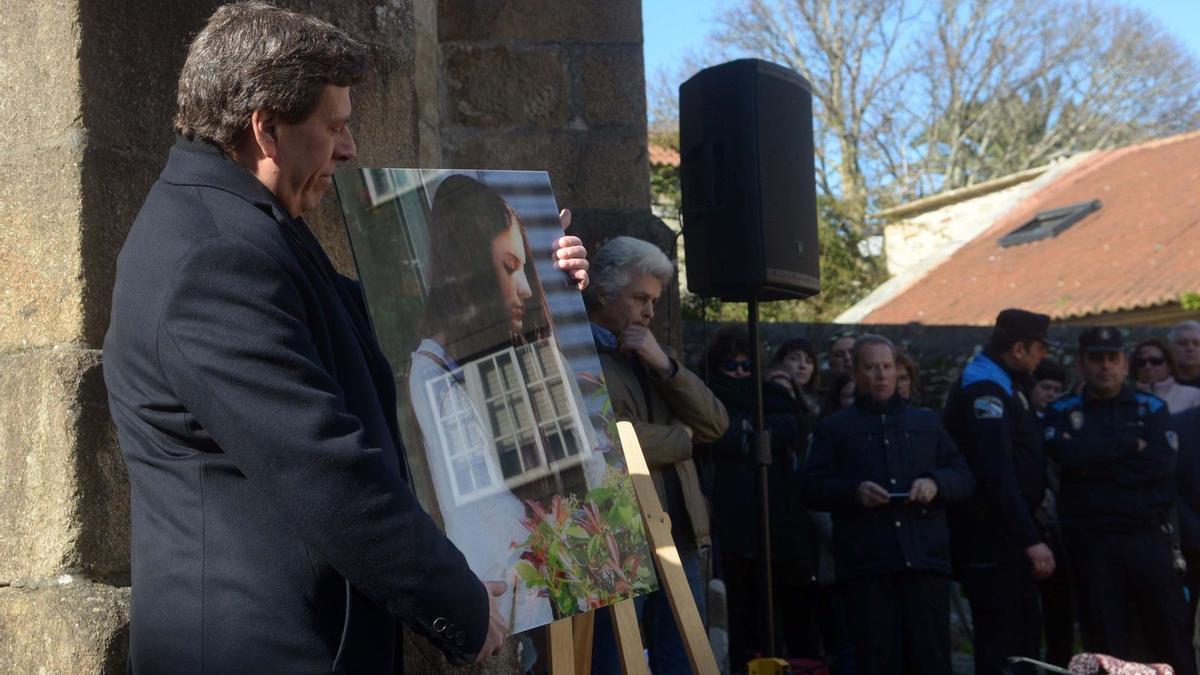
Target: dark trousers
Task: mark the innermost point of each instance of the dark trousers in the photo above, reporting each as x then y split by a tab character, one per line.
1005	610
796	630
1058	609
899	623
742	577
1126	582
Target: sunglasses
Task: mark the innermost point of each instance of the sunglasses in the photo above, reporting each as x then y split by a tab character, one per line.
1149	361
733	365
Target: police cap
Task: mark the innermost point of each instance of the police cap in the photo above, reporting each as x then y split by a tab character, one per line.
1018	325
1103	339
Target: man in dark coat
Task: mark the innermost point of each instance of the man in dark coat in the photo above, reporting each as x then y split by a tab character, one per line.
885	470
1117	455
272	527
998	545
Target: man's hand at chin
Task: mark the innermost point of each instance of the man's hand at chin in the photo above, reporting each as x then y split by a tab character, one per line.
637	339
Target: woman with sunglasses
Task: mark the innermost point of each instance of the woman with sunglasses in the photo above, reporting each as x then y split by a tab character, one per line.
787	389
1153	368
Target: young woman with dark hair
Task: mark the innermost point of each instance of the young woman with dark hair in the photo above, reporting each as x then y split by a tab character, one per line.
484	290
908	380
482	458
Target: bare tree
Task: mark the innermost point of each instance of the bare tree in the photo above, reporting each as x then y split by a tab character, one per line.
847	50
912	97
1006	85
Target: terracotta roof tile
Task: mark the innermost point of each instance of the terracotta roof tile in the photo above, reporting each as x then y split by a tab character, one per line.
1139	250
661	155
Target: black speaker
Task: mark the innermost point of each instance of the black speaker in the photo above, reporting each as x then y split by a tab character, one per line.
749	186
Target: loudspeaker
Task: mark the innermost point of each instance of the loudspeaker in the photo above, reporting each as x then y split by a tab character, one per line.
748	181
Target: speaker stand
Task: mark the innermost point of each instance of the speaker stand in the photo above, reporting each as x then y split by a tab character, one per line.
762	445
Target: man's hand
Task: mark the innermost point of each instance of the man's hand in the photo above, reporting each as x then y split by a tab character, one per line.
1043	560
923	490
640	341
1142	445
497	626
871	494
572	256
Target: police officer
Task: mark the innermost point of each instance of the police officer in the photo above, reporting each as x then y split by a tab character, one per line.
1117	455
998	546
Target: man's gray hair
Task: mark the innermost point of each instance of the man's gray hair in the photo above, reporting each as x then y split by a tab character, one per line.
618	261
866	340
1183	327
253	55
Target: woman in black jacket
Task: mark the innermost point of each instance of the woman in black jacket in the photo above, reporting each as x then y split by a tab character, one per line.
885	470
788	392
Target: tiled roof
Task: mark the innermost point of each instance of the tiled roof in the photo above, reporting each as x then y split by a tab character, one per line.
661	155
1139	250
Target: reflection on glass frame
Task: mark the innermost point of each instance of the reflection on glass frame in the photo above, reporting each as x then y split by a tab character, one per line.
510	439
381	186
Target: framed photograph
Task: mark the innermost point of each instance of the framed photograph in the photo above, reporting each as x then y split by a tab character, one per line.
509	435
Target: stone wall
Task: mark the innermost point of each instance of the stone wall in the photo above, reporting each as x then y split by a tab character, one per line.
88	108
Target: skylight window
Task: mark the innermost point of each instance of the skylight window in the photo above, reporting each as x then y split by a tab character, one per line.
1049	224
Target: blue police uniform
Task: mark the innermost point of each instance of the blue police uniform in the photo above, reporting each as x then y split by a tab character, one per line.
1118	459
989	417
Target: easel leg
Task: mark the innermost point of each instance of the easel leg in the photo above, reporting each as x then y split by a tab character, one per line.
629	638
683	605
583	625
671	576
562	648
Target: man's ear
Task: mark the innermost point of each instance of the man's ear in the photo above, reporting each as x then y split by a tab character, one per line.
264	126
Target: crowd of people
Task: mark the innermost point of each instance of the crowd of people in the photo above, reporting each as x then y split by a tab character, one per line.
1059	500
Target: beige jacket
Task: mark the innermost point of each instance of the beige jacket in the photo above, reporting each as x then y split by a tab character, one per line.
679	400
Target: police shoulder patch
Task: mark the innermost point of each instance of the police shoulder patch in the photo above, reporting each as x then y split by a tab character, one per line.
988	408
1173	440
1048	434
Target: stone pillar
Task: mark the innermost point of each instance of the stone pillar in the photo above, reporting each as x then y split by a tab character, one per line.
547	85
88	113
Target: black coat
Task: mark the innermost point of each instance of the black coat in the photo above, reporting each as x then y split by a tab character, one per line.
273	529
735	494
891	444
1108	484
991	421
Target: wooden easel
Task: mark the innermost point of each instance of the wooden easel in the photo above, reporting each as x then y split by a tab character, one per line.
571	639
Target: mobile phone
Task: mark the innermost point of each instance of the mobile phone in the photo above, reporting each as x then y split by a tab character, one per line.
898	496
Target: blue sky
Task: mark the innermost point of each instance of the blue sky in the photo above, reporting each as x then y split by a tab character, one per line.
673	27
